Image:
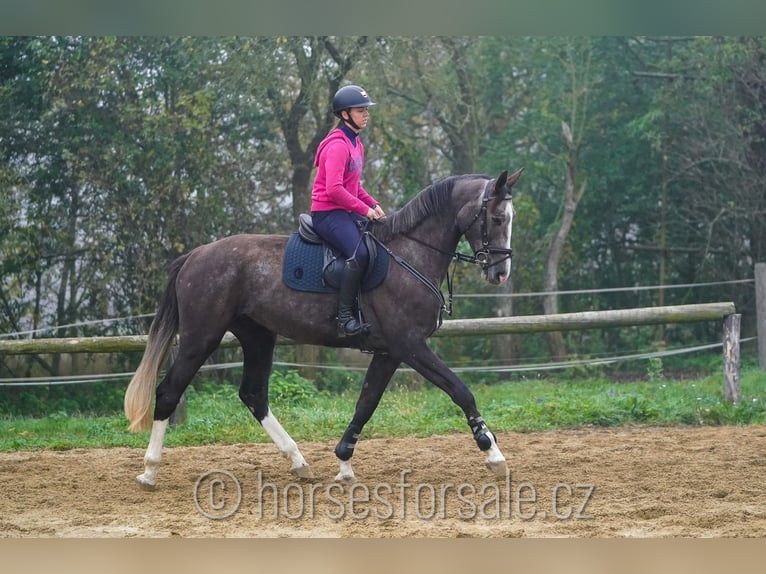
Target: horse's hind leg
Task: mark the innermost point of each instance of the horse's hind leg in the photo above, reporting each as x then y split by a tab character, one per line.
379	373
192	353
153	455
258	350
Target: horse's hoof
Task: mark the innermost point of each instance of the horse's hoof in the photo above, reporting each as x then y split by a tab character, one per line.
145	483
500	468
302	471
345	478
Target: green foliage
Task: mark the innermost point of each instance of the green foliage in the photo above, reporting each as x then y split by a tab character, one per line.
288	387
337	381
215	414
119	153
655	371
62	400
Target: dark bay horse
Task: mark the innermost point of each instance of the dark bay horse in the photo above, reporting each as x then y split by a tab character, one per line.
234	284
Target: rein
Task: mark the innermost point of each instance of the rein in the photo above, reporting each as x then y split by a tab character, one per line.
480	257
420	277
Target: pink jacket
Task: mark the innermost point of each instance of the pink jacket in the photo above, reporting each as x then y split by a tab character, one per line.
337	184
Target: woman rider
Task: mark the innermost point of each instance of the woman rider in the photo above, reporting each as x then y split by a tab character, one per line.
338	200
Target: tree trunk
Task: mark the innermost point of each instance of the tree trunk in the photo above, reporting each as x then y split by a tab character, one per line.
301	190
506	347
312	89
572	198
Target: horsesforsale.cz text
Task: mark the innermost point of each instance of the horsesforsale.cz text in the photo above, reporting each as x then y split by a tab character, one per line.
219	496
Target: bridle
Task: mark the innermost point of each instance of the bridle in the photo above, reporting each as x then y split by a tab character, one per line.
479	257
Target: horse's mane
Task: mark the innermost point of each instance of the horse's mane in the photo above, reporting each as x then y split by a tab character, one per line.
429	201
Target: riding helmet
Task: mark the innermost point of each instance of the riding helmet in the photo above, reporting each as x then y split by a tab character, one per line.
350	97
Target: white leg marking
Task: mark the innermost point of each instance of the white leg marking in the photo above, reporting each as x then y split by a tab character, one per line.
495	459
286	445
346	473
153	455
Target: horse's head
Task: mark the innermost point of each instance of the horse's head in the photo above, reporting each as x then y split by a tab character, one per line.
488	222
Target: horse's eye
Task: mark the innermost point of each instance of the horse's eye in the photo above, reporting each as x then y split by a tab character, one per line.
497	220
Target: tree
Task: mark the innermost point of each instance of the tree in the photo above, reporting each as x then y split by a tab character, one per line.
721	153
564	84
298	77
121	154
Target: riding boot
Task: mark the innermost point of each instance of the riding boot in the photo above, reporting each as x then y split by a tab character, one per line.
348	324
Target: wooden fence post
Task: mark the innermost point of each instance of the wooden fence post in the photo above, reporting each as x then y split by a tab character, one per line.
731	390
760	311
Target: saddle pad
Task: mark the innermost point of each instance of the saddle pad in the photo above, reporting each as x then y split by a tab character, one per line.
303	262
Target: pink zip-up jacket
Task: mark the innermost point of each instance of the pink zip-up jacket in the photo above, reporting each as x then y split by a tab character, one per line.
337	184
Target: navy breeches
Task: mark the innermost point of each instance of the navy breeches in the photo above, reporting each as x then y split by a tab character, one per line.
339	229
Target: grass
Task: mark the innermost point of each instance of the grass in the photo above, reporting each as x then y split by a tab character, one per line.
215	414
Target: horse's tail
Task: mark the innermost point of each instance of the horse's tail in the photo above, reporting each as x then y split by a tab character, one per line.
140	391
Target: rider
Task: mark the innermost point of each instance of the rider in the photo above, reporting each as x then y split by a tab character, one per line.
338	200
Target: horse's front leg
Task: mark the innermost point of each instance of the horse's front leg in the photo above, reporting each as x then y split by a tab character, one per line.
487	442
421	358
379	373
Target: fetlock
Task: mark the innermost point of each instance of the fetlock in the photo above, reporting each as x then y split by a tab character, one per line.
481	433
344	450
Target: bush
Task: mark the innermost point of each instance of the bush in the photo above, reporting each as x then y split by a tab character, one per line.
100	398
337	381
290	387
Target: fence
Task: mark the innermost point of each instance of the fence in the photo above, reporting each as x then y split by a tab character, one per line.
760	311
724	311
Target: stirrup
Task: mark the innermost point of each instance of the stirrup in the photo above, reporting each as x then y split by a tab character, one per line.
351	327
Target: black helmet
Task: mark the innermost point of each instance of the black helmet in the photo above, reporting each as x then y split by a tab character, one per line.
350	97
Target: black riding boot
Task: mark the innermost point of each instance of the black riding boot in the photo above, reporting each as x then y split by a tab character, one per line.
348	324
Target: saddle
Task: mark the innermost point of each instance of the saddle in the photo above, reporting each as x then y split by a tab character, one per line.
314	266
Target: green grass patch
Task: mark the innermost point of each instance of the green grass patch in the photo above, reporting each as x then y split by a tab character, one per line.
216	416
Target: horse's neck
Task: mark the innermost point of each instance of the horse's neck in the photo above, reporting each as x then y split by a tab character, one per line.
429	248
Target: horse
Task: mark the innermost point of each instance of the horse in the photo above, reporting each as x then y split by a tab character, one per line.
233	284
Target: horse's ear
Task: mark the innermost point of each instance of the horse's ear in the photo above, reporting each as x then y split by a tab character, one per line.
499	189
501	179
514	177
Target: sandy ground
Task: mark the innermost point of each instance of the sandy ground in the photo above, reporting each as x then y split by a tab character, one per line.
616	483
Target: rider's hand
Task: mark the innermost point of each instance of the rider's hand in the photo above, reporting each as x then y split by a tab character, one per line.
375	213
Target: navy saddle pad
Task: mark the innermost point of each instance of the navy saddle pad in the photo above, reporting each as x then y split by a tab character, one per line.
305	267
